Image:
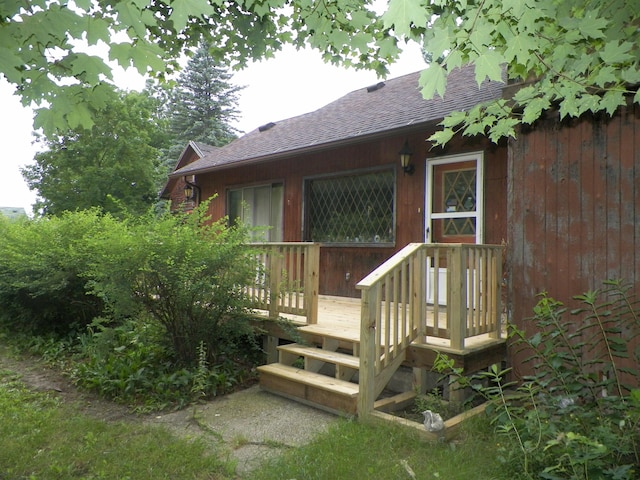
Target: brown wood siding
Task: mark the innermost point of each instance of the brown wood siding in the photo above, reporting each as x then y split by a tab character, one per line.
574	201
343	267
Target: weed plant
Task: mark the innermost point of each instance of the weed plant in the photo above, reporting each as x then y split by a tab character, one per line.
578	415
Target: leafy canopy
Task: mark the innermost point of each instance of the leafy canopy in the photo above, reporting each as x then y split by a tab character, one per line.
113	166
47	47
574	55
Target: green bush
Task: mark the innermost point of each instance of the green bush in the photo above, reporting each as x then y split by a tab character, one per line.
41	267
184	272
578	415
134	364
157	302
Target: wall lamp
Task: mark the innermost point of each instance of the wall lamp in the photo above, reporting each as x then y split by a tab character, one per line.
405	159
191	191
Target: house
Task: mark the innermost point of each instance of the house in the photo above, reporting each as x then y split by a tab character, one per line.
562	198
13	212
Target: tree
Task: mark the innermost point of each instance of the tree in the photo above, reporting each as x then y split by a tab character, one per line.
48	47
574	55
204	102
113	166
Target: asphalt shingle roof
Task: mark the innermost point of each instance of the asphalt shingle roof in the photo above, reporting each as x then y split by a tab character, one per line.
396	105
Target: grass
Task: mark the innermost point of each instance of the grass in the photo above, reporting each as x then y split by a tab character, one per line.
44	439
381	451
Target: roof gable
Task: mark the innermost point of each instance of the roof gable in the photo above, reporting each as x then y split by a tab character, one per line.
395	104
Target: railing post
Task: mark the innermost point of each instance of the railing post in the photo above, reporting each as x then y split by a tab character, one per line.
275	274
496	291
366	396
312	282
457	295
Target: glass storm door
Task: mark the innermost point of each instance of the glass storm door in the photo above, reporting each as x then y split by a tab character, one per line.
453	211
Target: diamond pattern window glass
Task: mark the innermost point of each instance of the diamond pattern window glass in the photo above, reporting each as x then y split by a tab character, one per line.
459	196
351	209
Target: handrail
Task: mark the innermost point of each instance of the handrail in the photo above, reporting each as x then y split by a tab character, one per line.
288	281
448	291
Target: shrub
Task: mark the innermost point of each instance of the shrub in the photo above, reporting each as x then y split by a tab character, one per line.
41	263
187	274
134	364
578	415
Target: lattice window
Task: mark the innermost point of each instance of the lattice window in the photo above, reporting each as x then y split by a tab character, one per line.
351	209
460	196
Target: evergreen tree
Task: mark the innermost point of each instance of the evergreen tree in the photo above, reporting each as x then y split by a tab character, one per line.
204	102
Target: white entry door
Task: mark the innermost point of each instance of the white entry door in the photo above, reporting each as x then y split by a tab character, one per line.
453	210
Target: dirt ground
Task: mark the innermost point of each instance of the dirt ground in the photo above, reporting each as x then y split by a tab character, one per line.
250	425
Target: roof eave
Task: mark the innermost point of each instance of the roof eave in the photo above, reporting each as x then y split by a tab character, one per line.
410	128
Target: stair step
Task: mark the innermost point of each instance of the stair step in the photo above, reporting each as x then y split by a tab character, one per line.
337	333
311	379
328	356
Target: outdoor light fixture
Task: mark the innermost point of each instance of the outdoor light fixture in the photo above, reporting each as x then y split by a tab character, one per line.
405	159
191	190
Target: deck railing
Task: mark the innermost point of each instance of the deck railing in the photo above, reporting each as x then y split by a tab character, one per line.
443	291
288	281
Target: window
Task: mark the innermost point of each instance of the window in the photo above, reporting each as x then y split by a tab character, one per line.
352	209
259	206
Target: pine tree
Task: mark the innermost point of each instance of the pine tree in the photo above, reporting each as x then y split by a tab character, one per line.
204	102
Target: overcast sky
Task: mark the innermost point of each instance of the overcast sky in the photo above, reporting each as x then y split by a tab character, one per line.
292	83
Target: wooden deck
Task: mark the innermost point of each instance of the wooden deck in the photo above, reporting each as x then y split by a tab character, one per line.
342	353
335	339
341	316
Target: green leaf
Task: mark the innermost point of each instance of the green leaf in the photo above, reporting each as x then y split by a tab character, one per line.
129	14
519	48
612	100
454	119
489	65
592	25
183	9
147	55
614	52
605	76
534	108
631	75
10	63
49	120
402	14
90	68
442	137
80	117
440	42
97	29
433	80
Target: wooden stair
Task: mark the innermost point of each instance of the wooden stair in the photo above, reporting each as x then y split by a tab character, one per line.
317	374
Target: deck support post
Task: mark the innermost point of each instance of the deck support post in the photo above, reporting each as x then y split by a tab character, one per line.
366	395
271	348
420	380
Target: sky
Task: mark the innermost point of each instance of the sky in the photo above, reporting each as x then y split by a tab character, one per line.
292	83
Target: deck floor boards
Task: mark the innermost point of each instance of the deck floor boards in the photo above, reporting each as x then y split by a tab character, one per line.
342	314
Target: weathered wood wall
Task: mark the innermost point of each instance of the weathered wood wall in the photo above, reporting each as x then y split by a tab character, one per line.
574	196
342	267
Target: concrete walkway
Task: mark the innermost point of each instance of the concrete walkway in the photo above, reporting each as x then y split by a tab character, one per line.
252	425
